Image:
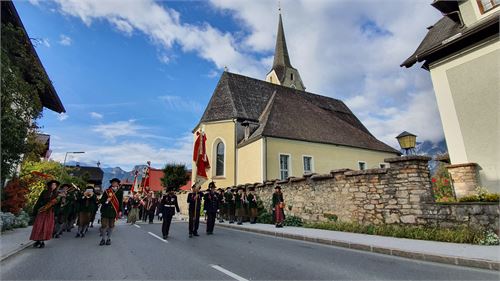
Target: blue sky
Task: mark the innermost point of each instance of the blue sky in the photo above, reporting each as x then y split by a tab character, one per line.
135	76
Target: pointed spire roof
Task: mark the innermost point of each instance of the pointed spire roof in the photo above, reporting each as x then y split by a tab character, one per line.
281	57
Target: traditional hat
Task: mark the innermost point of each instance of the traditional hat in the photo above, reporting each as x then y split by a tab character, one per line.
241	188
210	185
49	183
114	180
89	190
277	187
64	185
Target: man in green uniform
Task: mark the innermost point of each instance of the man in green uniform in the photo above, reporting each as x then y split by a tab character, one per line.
85	207
252	205
111	201
229	198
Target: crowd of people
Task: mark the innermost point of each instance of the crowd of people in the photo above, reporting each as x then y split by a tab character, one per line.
60	207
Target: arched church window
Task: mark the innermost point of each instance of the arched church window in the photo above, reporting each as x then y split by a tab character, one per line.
291	76
219	166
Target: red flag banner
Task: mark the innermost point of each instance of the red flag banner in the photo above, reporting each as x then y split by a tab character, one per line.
114	201
200	158
136	173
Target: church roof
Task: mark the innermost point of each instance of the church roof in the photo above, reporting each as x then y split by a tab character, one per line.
281	57
284	112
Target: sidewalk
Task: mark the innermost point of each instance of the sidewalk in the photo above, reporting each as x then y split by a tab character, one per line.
486	257
13	241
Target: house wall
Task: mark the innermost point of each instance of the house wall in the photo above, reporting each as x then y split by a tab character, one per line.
467	92
225	131
471	14
325	157
250	163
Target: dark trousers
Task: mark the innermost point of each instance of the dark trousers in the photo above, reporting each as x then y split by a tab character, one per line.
165	226
151	216
194	222
211	221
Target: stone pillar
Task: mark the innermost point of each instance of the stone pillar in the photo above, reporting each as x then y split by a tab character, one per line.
465	178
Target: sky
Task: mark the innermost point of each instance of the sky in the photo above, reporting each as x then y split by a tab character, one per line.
135	76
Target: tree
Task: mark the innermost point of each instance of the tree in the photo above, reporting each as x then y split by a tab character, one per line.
174	176
23	81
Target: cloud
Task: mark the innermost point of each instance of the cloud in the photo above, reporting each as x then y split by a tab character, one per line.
212	73
113	130
45	42
164	27
63	116
65	40
180	104
127	154
96	115
164	58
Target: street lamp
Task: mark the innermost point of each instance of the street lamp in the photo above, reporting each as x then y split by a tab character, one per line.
73	152
407	141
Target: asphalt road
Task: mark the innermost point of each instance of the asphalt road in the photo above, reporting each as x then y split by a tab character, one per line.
227	255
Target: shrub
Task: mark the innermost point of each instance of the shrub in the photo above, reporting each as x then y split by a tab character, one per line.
441	185
469	198
265	217
7	221
490	238
482	196
21	220
460	234
293	221
331	217
14	196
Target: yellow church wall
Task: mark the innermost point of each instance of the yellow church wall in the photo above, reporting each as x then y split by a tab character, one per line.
325	157
250	163
216	132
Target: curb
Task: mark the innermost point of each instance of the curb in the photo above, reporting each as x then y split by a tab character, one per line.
460	261
19	249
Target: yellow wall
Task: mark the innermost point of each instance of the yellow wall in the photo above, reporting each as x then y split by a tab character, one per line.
250	163
467	92
325	157
225	131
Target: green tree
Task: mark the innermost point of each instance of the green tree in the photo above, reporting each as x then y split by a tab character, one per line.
174	176
36	174
23	81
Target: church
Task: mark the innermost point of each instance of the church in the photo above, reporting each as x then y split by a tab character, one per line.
265	130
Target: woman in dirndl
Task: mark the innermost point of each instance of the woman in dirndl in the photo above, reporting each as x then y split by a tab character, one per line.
43	226
278	207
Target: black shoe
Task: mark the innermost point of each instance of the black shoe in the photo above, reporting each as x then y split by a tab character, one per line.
190	235
196	234
83	235
240	223
102	242
165	237
108	242
77	235
37	244
231	222
42	245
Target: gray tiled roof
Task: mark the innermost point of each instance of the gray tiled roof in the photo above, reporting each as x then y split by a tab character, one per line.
285	112
448	35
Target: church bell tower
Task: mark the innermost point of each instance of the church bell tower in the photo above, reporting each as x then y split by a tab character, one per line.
282	72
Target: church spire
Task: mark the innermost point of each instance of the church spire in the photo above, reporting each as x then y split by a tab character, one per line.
282	72
281	57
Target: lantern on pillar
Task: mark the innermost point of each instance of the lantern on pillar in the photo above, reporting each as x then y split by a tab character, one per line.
407	141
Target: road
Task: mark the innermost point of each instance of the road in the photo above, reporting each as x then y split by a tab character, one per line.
227	255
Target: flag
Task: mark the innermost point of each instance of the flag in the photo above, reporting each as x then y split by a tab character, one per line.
200	158
135	174
145	180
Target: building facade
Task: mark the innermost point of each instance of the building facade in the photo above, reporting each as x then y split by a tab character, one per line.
262	130
462	53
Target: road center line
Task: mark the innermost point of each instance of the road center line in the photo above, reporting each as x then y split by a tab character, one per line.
137	226
229	273
156	236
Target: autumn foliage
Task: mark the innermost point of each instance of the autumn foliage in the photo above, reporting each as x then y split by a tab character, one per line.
14	196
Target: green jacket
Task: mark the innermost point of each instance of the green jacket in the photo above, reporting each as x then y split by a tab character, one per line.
43	199
107	209
251	202
277	198
239	202
229	199
85	204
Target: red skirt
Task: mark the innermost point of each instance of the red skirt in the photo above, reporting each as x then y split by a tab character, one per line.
43	226
279	216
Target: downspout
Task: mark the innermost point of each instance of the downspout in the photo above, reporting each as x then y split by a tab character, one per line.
264	173
235	153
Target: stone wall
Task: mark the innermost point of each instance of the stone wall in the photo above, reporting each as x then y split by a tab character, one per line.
465	178
401	194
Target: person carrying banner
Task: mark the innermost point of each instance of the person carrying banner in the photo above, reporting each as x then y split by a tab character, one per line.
168	207
194	201
110	210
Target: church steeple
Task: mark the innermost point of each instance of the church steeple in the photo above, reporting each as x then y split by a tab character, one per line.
282	72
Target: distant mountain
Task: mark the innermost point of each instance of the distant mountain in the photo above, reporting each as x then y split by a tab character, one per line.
431	149
115	172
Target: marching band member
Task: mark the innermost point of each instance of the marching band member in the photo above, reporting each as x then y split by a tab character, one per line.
168	207
252	204
85	208
211	206
111	200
